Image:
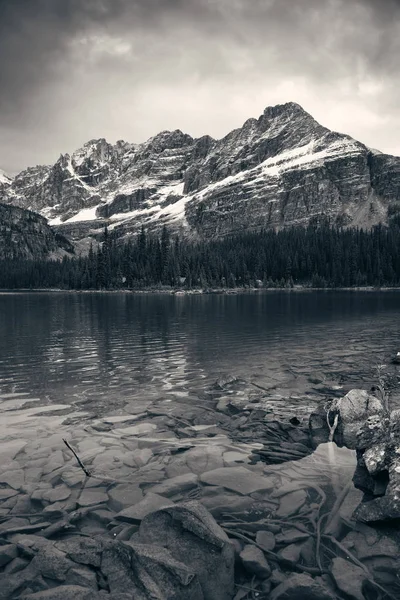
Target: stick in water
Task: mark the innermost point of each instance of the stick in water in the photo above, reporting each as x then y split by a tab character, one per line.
80	463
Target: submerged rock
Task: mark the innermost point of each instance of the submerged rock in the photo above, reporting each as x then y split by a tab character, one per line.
349	578
148	572
237	479
192	536
301	587
254	561
151	503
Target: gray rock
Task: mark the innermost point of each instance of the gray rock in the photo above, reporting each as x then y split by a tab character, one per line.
193	537
61	492
64	592
150	503
149	572
291	503
355	408
55	461
7	553
300	587
14	479
226	503
102	516
7	493
82	550
52	563
376	458
92	497
254	561
266	539
291	536
176	485
349	578
17	564
238	479
83	576
26	582
124	495
291	553
368	542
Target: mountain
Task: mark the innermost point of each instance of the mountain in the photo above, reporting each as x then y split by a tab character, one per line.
25	234
281	169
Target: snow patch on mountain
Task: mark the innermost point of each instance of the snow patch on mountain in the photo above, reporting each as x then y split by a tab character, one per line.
4	178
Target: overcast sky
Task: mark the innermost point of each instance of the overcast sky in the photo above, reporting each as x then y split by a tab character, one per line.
72	70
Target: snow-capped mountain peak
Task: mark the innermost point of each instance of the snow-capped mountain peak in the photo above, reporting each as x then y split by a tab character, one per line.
278	169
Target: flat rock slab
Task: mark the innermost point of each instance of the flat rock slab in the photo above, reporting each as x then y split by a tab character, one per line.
124	495
122	418
9	450
139	429
6	493
137	407
64	592
266	539
92	497
55	462
61	492
291	503
176	485
349	578
226	503
14	479
151	503
301	586
238	479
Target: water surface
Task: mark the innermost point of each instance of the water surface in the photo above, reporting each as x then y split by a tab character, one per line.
102	350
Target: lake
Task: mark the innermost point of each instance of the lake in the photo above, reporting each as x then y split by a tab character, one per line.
131	382
114	347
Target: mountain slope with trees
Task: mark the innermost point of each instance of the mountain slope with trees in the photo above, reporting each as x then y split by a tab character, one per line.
319	255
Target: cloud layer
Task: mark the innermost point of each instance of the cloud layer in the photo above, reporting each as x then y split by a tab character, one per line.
71	70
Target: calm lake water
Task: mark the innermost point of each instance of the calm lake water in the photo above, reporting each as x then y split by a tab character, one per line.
97	351
118	374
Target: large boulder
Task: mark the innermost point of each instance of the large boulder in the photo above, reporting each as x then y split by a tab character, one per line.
192	536
147	572
355	408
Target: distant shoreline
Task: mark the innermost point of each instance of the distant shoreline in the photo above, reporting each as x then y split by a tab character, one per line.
202	292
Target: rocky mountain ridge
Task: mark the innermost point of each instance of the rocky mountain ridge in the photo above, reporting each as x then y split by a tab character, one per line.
281	169
25	235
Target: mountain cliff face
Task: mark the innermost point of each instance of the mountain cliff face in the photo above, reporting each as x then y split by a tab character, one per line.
24	234
281	169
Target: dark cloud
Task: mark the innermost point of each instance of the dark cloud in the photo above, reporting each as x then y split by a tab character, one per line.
73	69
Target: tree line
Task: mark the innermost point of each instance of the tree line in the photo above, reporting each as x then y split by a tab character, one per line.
320	255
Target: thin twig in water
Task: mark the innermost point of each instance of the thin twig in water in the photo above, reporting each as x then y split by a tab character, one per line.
80	463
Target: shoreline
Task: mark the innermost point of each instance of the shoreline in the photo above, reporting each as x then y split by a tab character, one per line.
199	291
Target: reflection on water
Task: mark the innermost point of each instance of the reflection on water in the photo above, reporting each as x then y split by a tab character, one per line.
96	352
119	345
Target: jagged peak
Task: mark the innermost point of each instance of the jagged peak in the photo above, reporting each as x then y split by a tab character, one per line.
286	108
95	142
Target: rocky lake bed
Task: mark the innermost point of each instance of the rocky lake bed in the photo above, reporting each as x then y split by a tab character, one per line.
246	493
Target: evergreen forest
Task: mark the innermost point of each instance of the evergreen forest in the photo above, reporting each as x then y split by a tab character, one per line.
320	255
